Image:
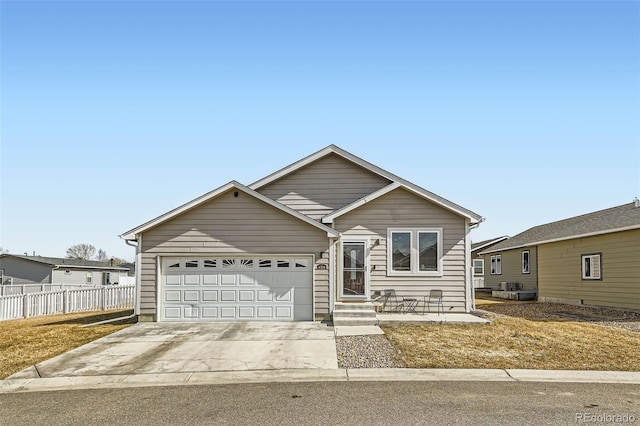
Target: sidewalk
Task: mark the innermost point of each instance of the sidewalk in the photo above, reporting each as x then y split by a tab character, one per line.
315	375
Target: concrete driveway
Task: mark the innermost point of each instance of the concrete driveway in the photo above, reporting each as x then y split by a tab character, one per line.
156	348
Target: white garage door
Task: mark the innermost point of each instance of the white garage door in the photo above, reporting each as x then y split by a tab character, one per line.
237	288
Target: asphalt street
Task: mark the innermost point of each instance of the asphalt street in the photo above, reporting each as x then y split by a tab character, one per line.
331	403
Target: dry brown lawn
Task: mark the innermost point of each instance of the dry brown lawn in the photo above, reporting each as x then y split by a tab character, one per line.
26	342
516	342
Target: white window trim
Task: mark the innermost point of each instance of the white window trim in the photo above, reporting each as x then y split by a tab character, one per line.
496	260
528	271
414	272
592	256
89	279
474	267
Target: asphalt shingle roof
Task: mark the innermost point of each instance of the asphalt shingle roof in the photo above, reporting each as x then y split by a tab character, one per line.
600	222
59	261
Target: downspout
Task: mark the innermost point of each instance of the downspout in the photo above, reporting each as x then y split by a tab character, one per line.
332	272
138	265
470	304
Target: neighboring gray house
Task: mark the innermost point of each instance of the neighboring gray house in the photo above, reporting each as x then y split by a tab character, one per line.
592	259
54	270
326	230
478	259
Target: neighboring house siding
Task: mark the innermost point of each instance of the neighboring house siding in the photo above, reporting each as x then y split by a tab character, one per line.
79	276
324	186
230	225
25	271
512	269
560	270
400	208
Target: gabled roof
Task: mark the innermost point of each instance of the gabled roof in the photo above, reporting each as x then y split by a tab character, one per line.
487	243
67	263
132	234
332	149
614	219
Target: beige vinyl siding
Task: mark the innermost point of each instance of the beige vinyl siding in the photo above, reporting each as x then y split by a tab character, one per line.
324	186
400	208
230	225
512	269
560	270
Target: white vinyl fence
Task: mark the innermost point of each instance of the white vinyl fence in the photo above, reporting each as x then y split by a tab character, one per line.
66	301
11	289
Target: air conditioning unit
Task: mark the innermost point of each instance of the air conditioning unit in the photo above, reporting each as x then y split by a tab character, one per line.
512	286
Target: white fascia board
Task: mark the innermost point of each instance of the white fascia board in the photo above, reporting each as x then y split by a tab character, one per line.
475	218
364	200
571	237
132	234
496	241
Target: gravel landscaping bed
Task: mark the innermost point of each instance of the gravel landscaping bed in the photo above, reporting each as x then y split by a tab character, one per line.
365	352
561	312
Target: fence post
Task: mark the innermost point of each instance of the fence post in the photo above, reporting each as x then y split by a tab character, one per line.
25	306
104	298
65	302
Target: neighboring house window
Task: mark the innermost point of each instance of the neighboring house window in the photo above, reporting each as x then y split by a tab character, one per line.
591	266
89	277
478	266
414	251
525	262
496	264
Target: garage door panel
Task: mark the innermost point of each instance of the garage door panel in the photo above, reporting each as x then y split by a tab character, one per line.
228	279
284	295
284	312
265	296
209	296
302	296
192	279
209	279
172	280
173	313
246	279
246	312
237	288
209	312
246	295
191	312
264	312
302	312
228	312
228	296
172	295
191	296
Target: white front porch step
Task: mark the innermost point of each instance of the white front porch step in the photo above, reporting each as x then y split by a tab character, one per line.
354	306
337	322
354	314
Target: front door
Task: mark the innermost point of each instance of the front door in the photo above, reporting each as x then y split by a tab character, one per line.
354	270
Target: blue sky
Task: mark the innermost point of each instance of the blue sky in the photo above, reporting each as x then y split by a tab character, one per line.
115	112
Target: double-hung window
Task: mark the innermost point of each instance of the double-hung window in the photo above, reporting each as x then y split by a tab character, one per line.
478	266
414	251
525	262
591	266
496	264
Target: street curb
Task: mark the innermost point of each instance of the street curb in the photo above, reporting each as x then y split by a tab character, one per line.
315	375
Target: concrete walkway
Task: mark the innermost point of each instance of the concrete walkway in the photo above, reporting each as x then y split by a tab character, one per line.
429	318
315	375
